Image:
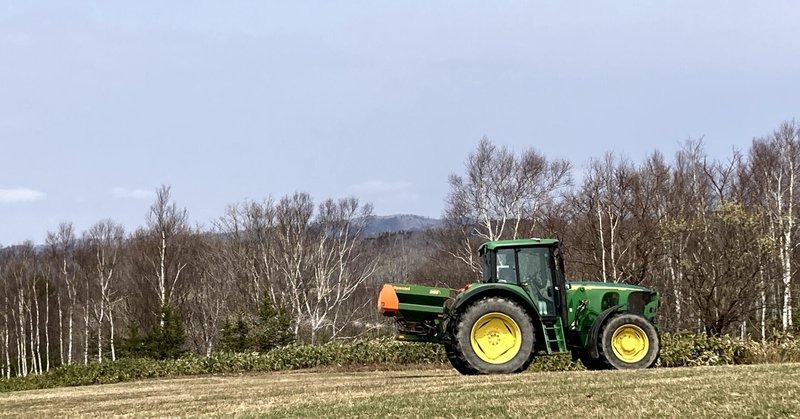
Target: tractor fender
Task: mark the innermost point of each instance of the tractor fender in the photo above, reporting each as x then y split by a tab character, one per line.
499	290
598	323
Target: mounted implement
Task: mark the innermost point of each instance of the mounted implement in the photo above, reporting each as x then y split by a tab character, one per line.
524	307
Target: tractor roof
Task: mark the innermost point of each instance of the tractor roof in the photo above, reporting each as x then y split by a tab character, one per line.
497	244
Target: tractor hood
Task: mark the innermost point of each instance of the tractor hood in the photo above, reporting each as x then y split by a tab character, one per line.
606	286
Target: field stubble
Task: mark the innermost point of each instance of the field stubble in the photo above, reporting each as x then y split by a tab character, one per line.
727	391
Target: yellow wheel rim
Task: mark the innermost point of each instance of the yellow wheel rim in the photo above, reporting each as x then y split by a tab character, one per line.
630	343
496	338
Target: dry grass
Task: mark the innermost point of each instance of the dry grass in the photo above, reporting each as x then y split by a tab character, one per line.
731	391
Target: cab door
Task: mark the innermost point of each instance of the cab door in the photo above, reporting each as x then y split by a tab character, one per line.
536	276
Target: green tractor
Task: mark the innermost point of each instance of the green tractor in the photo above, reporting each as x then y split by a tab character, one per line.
524	307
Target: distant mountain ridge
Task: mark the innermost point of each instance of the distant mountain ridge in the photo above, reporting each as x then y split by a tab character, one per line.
400	222
379	224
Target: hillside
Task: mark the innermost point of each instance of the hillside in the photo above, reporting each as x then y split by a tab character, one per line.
400	222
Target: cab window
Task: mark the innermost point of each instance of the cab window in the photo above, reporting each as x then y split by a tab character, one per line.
506	266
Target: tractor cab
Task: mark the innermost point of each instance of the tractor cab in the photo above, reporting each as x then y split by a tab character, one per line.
535	265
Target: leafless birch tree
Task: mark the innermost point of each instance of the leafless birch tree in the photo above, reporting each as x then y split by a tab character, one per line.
105	241
502	195
775	163
164	246
61	246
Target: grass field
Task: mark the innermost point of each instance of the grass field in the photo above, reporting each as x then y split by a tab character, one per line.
731	391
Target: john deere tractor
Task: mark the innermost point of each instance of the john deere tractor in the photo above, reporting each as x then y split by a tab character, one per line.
523	307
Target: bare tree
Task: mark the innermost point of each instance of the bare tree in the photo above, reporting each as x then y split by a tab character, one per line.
723	261
775	162
342	263
20	287
62	250
320	261
292	251
249	228
6	332
690	197
105	241
211	297
164	246
606	199
502	195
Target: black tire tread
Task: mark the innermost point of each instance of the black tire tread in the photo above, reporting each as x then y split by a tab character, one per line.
454	353
456	359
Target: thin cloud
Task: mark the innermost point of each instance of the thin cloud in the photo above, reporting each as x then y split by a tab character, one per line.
16	195
380	186
132	193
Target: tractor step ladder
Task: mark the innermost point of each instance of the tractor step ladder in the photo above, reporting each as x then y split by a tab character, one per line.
554	336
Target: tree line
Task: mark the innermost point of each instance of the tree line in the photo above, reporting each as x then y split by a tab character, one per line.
169	287
716	236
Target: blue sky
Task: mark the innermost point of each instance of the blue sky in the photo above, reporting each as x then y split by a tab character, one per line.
101	103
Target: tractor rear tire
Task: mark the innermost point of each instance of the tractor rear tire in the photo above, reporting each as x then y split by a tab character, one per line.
494	335
629	341
457	362
527	363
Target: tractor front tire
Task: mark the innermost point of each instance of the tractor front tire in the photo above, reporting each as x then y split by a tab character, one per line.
629	341
494	335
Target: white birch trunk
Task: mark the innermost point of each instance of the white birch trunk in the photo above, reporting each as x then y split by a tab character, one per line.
763	311
23	335
70	313
22	359
162	278
786	255
86	333
100	332
612	224
22	368
31	340
6	341
675	287
111	336
8	350
38	330
602	243
60	330
787	270
47	323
